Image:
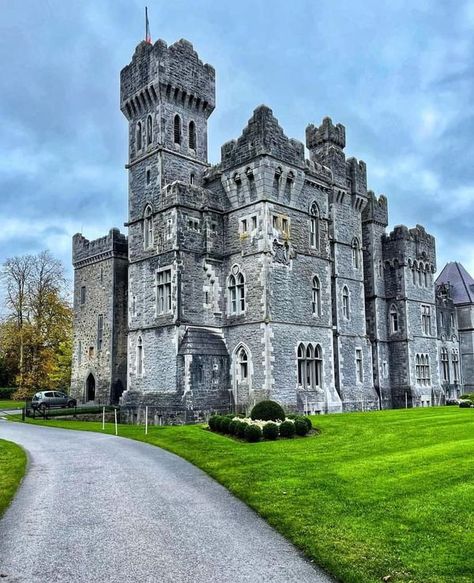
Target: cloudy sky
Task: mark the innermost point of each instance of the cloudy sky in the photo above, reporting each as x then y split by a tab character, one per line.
399	75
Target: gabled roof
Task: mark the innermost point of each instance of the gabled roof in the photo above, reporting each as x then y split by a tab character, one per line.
460	280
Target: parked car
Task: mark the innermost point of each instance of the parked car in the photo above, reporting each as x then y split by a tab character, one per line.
49	399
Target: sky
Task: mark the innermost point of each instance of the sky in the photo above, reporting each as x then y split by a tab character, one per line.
399	75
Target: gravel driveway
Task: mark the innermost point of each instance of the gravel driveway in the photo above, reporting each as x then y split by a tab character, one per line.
96	507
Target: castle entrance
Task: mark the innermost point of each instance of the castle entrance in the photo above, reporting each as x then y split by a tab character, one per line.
90	388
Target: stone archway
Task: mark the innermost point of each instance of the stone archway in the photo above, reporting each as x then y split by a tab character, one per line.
90	388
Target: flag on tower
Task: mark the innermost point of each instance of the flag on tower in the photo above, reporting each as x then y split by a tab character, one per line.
147	28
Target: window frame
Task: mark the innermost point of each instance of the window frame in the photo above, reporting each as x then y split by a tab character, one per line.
163	279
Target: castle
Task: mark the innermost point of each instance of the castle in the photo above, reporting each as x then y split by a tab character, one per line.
268	275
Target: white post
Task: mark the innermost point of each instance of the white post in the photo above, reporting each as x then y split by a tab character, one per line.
406	400
116	431
103	418
146	420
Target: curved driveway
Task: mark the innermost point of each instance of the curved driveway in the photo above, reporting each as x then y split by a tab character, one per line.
96	507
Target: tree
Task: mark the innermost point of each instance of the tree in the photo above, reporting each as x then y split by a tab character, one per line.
37	330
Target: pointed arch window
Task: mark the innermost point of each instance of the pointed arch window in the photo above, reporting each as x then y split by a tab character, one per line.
148	228
345	302
310	366
139	136
393	319
242	365
139	356
355	253
314	238
177	129
316	299
192	135
149	130
445	363
455	361
236	289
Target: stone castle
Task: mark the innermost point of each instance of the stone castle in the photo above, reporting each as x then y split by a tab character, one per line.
268	275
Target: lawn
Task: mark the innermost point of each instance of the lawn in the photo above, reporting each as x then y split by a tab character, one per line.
12	469
376	494
8	404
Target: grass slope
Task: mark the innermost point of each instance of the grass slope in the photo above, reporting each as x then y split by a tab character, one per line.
8	404
378	494
12	470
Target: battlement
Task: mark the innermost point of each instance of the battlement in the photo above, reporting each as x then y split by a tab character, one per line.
175	71
409	245
356	172
326	133
114	244
190	195
376	209
416	234
262	135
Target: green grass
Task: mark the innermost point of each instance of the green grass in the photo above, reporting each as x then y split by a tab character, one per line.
12	470
375	494
8	404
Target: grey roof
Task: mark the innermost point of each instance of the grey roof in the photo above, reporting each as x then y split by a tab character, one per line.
460	280
202	341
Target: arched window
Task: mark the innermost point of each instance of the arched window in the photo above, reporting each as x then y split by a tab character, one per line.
355	253
139	356
191	178
359	365
413	272
177	129
316	303
420	276
243	365
455	360
149	130
393	319
139	136
426	276
192	135
314	226
345	302
148	228
445	364
236	293
310	366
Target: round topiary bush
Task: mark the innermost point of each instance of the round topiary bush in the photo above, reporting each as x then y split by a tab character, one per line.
287	429
301	427
465	404
233	427
268	411
212	422
217	422
224	424
307	420
270	431
241	427
253	433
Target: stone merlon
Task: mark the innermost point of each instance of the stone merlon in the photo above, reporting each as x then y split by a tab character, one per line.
115	244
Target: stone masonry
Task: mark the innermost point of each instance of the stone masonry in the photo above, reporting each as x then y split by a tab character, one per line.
268	275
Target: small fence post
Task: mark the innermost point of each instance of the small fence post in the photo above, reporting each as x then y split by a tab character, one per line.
116	429
146	420
103	418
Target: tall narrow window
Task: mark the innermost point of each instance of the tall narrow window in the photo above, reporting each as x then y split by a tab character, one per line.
445	364
83	295
345	302
359	365
148	228
413	272
301	364
316	303
192	135
79	353
139	356
163	285
455	360
243	364
393	319
310	366
149	130
318	361
139	136
426	276
426	320
177	129
355	253
314	226
100	331
236	293
422	370
134	305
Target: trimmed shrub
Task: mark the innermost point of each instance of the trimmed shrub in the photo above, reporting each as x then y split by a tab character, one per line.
241	427
6	392
233	427
307	420
270	431
301	427
224	424
212	422
253	433
217	422
229	415
465	404
268	411
287	429
468	396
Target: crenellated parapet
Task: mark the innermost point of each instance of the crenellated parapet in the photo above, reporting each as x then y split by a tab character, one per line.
376	210
86	252
182	194
262	135
410	245
356	173
326	135
175	71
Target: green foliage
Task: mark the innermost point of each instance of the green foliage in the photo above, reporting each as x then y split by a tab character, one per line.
12	469
233	427
467	396
465	404
224	424
214	422
253	433
287	429
270	431
241	427
7	392
301	427
268	411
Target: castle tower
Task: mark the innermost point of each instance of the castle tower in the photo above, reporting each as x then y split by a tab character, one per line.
347	200
99	360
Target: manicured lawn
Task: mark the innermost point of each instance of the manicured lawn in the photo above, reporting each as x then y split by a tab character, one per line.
12	469
375	494
6	404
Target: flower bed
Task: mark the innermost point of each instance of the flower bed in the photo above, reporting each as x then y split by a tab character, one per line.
253	430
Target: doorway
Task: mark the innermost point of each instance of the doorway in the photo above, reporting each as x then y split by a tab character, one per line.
90	388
